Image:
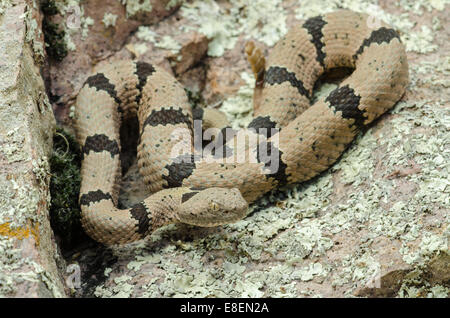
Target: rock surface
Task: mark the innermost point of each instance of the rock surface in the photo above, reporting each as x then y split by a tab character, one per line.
374	225
94	30
29	258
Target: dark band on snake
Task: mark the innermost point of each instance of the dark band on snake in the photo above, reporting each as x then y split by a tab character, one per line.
278	75
180	169
93	197
143	71
99	143
379	36
140	213
343	99
265	154
314	26
167	116
101	83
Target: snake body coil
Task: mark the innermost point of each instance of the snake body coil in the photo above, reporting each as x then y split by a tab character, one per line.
209	192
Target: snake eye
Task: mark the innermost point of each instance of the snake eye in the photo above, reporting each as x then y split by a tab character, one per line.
214	206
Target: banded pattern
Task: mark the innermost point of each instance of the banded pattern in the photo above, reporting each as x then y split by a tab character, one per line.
209	191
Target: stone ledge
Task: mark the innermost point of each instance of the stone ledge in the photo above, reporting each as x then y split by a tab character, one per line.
28	253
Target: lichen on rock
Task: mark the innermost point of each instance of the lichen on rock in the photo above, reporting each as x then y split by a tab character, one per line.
374	225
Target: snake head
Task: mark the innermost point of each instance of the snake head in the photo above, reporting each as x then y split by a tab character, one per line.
212	207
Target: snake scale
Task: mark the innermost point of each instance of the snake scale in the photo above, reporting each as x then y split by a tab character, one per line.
208	193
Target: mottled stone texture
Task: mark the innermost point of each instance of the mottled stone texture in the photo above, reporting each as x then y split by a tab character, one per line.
28	253
93	43
375	225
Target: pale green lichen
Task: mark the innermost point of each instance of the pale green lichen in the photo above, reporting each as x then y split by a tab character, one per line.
168	43
135	6
173	3
5	4
430	243
420	42
239	108
109	19
146	34
415	282
12	146
18	202
72	111
417	6
12	265
163	42
435	72
86	22
262	20
293	242
278	232
279	250
33	32
436	24
141	48
416	41
214	23
10	261
73	22
438	292
358	269
312	270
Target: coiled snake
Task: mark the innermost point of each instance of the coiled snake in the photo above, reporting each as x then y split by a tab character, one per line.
203	192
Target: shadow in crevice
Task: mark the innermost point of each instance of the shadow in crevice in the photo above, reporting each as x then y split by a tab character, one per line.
129	135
